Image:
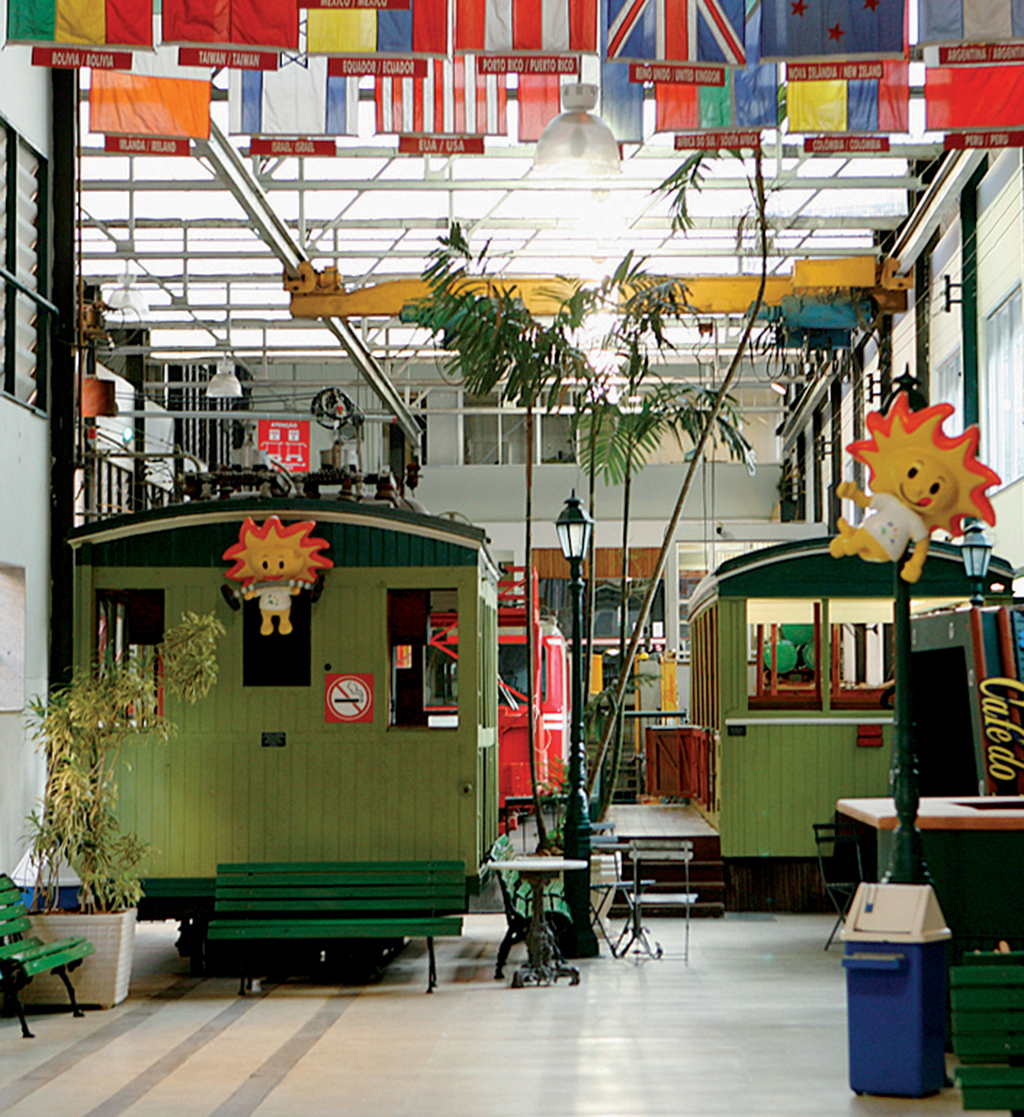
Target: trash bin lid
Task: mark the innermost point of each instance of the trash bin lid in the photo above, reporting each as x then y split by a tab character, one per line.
895	913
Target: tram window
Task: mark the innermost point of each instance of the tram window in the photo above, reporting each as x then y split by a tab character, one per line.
423	636
512	675
126	621
274	658
861	664
787	660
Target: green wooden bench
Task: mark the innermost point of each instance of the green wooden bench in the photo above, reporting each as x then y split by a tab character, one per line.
282	903
987	1001
21	958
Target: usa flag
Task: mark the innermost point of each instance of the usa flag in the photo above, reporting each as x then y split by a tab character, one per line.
677	31
453	100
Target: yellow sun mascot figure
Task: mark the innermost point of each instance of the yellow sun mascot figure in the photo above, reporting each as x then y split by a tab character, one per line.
922	480
275	563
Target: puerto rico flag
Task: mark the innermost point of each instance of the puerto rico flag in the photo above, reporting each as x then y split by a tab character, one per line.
526	26
676	31
299	99
452	100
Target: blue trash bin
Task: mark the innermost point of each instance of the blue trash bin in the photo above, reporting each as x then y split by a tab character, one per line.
896	990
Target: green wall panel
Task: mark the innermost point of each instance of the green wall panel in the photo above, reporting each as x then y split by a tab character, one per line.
780	778
335	791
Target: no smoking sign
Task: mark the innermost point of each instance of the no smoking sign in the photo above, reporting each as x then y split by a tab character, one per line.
348	698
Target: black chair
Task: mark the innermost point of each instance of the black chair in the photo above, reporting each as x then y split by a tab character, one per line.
842	870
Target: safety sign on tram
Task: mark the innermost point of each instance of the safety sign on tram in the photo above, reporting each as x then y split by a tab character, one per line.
348	698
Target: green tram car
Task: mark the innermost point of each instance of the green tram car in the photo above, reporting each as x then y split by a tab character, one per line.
356	736
791	656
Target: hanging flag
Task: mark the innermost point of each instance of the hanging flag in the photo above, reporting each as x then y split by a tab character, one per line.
453	99
622	101
748	99
827	97
526	26
970	21
421	30
984	97
159	98
263	24
124	23
676	31
538	102
826	29
300	99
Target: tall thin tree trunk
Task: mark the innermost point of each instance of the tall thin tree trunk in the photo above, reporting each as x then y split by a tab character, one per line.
670	529
618	741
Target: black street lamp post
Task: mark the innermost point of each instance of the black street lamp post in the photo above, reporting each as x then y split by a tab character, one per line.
573	527
976	550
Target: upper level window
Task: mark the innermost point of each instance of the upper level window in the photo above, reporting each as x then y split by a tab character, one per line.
1003	390
25	307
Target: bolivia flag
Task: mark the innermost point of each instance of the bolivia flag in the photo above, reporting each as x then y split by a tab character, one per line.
101	23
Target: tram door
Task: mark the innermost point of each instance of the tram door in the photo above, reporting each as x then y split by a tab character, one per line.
941	709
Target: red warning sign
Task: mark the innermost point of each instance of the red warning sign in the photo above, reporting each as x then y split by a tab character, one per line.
348	698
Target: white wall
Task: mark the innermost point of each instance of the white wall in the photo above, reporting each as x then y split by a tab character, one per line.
24	499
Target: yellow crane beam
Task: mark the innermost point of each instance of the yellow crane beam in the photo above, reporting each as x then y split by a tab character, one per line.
321	294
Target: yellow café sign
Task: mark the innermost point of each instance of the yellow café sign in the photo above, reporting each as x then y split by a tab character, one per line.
999	698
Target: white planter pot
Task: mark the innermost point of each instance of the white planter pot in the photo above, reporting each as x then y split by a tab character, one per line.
103	978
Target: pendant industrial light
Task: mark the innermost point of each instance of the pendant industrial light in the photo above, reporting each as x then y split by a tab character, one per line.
577	142
224	384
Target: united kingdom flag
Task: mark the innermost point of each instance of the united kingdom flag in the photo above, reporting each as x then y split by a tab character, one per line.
677	31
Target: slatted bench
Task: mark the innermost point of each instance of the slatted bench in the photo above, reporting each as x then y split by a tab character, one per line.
22	958
987	999
284	902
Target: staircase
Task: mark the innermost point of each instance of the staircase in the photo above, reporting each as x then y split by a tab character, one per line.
707	877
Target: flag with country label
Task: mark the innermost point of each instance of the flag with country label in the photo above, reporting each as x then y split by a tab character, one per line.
794	30
877	104
158	98
749	98
526	26
676	31
452	100
419	31
100	23
970	21
974	97
271	25
299	99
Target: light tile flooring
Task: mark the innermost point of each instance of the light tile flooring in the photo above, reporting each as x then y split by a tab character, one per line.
754	1024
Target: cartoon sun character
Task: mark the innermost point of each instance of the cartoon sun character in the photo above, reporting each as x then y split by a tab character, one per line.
922	480
275	563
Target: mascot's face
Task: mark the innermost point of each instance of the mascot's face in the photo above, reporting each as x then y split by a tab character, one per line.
273	560
921	482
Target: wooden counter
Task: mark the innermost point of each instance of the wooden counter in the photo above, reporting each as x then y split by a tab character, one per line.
979	812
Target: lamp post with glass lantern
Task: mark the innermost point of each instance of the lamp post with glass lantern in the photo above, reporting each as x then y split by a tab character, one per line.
573	526
976	551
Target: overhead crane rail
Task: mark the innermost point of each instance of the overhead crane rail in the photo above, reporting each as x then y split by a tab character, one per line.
320	294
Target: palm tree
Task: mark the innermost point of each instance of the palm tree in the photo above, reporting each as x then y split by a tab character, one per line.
496	344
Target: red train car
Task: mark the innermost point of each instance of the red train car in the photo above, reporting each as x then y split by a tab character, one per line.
550	689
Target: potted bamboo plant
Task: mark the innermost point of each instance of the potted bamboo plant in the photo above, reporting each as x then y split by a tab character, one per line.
82	730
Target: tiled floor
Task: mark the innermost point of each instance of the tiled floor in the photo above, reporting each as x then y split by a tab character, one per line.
754	1024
